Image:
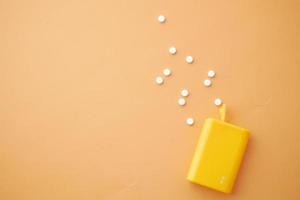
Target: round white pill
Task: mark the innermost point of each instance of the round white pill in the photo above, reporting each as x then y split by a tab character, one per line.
167	72
207	82
190	121
161	18
172	50
211	73
184	93
159	80
189	59
218	102
181	101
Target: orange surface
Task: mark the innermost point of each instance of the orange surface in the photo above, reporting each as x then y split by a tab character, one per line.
82	119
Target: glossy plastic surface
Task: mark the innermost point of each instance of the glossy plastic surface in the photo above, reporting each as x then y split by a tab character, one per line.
218	155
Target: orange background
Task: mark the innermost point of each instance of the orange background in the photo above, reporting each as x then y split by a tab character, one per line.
81	116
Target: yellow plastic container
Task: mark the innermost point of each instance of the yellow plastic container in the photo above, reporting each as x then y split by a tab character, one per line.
218	155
